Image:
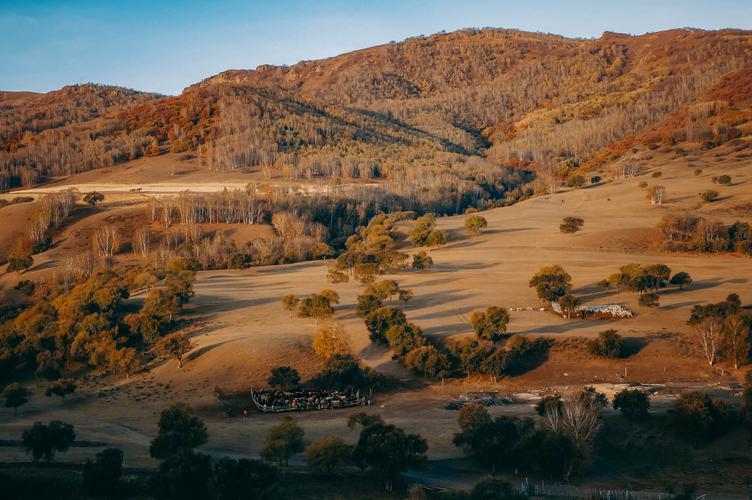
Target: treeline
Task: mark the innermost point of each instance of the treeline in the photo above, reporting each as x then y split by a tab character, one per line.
687	232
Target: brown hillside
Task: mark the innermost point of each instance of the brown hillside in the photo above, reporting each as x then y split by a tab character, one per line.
450	106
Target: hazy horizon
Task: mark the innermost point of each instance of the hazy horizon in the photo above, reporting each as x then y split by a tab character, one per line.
167	46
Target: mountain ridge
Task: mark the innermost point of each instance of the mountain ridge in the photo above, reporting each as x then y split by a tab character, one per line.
497	96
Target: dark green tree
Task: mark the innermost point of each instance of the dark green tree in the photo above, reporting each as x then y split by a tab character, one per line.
43	440
551	282
283	441
15	396
284	378
490	324
179	429
633	403
386	450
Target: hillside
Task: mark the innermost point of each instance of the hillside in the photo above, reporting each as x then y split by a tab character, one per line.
458	105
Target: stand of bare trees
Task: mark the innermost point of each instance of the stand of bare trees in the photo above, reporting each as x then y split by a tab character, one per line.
142	241
709	334
105	241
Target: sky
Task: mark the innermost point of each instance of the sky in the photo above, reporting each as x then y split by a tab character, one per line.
163	46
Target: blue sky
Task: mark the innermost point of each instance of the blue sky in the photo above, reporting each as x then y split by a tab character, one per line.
165	46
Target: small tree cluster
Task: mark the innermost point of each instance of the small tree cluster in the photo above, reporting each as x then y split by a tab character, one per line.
317	306
722	331
425	234
422	261
635	277
570	225
551	282
476	224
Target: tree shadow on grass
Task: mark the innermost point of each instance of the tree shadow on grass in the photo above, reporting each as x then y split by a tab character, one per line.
534	358
633	345
444	331
203	350
568	326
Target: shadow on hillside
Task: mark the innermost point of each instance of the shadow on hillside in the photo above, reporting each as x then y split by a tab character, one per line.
633	345
451	268
444	331
438	281
212	304
533	359
439	298
566	327
686	303
510	230
444	314
469	243
45	265
373	351
200	352
290	267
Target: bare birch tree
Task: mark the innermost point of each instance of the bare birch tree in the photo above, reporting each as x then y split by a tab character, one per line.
105	241
709	335
142	241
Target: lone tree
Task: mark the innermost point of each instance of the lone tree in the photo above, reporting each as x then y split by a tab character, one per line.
283	441
290	303
93	198
551	282
569	304
15	396
491	324
710	195
609	344
570	225
43	440
476	224
179	430
175	346
681	279
633	403
328	453
422	261
330	340
284	377
385	449
101	476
